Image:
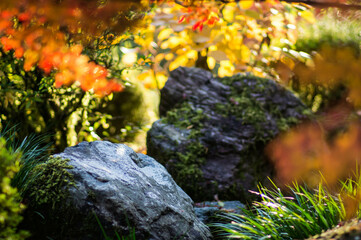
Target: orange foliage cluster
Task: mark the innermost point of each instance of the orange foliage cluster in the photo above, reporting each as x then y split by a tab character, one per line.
203	13
307	154
82	19
41	33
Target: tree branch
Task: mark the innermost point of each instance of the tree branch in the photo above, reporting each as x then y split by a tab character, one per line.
326	4
313	3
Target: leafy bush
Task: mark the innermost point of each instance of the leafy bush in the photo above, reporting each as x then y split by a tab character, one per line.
10	206
331	30
341	34
30	101
278	216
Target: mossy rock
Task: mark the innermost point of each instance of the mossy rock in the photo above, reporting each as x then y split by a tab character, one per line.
101	188
344	231
213	131
50	213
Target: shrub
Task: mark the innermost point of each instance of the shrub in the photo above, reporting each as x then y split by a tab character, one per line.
341	34
30	102
10	206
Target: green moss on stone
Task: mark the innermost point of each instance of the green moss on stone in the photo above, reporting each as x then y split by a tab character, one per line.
51	213
243	104
186	169
51	182
185	116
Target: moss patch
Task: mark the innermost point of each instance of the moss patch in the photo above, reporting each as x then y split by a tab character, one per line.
51	182
244	104
185	168
185	116
50	214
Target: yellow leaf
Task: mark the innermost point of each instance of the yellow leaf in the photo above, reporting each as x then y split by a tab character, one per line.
192	54
228	13
212	48
118	39
169	56
278	21
211	62
242	54
308	16
165	33
145	76
159	57
245	4
272	2
172	42
161	79
153	81
226	69
179	61
147	79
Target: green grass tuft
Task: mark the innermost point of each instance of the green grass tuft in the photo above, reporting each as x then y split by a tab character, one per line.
33	149
278	216
130	236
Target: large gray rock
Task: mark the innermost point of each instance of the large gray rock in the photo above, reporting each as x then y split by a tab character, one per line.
125	189
213	131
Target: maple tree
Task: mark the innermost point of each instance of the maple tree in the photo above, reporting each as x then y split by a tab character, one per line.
50	51
41	32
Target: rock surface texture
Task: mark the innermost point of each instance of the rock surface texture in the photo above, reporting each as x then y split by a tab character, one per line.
205	211
213	131
350	230
125	189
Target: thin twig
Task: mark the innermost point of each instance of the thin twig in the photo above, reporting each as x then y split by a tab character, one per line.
314	3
